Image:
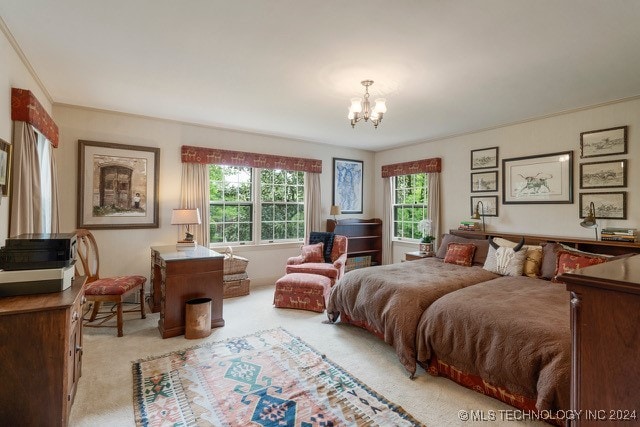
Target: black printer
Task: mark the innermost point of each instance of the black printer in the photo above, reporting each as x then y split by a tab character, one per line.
38	251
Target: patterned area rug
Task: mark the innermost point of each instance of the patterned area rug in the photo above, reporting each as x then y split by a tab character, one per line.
270	378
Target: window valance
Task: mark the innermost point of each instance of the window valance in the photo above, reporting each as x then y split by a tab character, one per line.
240	158
26	108
408	168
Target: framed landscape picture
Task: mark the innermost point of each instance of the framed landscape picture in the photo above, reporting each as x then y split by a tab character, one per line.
603	174
607	205
484	181
604	142
489	205
347	185
546	178
485	158
117	185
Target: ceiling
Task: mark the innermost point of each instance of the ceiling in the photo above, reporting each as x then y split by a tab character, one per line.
289	67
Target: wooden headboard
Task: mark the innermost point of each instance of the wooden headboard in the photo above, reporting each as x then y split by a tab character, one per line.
595	246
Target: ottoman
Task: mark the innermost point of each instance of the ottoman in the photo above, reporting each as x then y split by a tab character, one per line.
304	291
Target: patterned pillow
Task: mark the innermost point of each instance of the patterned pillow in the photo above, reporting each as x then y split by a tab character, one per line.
533	260
505	261
460	254
569	261
313	253
482	247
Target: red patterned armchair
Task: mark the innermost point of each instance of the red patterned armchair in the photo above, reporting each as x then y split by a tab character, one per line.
333	270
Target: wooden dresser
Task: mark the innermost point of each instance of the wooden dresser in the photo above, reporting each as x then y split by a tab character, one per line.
605	325
179	276
40	356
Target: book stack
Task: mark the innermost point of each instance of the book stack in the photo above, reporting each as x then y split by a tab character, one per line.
619	234
184	245
469	226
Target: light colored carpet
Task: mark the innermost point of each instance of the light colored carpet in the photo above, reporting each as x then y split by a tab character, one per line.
105	391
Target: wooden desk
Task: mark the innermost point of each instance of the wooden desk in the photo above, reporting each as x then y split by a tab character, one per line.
605	314
179	276
40	356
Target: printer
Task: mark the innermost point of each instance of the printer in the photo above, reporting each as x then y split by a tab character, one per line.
37	263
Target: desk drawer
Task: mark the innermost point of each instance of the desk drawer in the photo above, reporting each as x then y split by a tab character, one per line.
193	266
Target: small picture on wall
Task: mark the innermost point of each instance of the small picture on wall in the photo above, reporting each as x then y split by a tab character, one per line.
603	174
607	205
5	167
485	158
604	142
484	181
488	205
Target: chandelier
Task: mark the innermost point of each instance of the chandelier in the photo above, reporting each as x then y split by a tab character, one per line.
361	108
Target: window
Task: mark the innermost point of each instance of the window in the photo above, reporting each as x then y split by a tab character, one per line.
46	181
410	205
237	215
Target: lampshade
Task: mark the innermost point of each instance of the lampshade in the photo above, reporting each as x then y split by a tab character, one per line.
185	216
335	210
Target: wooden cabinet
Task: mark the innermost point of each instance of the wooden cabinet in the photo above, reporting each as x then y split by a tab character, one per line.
364	237
179	276
605	319
40	356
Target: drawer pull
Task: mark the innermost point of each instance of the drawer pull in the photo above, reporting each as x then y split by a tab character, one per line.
83	300
75	316
79	349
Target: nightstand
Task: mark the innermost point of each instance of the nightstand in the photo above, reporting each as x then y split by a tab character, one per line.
412	256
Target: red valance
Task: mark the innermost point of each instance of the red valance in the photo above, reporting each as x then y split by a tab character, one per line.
26	108
214	156
408	168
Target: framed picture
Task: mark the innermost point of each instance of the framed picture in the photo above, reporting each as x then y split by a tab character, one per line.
347	185
607	205
489	206
484	181
485	158
117	185
546	178
603	174
604	142
5	167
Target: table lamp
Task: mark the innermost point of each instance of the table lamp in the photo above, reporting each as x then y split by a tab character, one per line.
590	220
477	214
186	217
335	210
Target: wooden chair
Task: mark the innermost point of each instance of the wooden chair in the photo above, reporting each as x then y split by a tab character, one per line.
98	290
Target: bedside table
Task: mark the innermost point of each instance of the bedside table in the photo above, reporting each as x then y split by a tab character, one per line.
412	256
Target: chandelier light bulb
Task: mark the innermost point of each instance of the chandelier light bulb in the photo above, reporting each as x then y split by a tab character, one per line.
356	105
381	106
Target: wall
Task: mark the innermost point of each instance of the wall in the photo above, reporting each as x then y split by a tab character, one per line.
13	73
548	135
127	251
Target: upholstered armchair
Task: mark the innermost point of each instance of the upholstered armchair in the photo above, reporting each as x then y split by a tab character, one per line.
333	270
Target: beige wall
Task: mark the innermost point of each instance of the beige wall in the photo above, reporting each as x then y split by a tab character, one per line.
13	73
553	134
127	251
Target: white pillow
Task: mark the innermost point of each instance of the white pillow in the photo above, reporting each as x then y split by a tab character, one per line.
533	261
505	261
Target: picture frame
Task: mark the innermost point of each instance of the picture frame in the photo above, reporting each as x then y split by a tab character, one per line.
604	142
489	205
348	177
5	167
117	185
612	205
485	158
481	182
608	174
538	179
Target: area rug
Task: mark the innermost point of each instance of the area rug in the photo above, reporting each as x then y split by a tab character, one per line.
270	378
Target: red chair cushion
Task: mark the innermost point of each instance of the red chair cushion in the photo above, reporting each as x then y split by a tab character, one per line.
114	285
320	268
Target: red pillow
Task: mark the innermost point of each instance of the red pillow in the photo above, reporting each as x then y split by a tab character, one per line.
313	253
568	261
460	254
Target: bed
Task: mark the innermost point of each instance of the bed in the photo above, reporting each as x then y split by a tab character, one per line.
508	338
389	300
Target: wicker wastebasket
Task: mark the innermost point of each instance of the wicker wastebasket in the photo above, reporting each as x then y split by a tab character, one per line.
197	318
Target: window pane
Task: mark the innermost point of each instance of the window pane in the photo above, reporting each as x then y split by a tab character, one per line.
231	203
410	207
282	205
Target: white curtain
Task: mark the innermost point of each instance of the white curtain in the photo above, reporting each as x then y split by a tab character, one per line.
434	205
195	194
312	203
387	220
55	214
26	191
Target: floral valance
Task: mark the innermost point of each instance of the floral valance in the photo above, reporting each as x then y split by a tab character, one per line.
26	108
408	168
240	158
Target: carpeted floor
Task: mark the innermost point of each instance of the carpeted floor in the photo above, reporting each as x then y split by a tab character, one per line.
104	396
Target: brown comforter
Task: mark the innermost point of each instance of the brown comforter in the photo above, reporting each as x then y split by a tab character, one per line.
513	332
390	299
